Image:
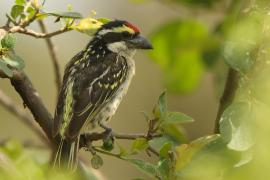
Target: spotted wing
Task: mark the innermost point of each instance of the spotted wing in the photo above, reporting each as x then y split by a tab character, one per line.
96	87
59	112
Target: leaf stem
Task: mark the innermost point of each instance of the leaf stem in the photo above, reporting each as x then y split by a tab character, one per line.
108	153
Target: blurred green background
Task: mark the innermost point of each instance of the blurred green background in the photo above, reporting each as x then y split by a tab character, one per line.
198	99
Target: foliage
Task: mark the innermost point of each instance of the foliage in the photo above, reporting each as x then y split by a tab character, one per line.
184	49
19	163
244	123
8	59
178	48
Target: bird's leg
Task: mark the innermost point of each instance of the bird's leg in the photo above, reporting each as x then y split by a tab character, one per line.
108	131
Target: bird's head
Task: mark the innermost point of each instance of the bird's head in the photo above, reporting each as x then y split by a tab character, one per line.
121	36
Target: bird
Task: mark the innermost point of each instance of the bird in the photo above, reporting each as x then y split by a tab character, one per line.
94	83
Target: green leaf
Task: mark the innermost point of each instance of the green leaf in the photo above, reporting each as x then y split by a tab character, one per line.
178	51
160	110
73	15
184	76
13	148
164	168
158	143
208	157
212	51
123	151
165	150
16	11
186	152
8	41
138	145
31	12
6	165
177	118
87	25
177	133
20	2
237	57
41	16
238	49
145	167
146	116
5	69
96	161
246	157
14	61
235	126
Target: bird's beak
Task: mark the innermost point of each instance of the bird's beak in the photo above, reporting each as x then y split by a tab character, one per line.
140	42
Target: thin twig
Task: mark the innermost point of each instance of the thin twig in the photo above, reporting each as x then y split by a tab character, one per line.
90	137
16	110
10	20
52	52
18	29
134	136
152	150
107	153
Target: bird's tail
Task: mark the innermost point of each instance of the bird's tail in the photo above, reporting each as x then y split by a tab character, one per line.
66	155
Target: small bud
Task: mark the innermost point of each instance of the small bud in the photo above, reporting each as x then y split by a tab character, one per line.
108	145
96	161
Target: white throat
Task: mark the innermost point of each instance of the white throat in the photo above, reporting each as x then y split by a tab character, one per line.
121	49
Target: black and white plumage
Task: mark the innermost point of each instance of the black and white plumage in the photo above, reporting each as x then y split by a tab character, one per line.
95	81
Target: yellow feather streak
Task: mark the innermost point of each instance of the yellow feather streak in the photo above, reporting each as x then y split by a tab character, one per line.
123	29
67	108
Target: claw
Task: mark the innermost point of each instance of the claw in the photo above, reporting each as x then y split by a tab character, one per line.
108	132
108	135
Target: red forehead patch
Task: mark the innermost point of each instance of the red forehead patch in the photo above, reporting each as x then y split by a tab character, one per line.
134	28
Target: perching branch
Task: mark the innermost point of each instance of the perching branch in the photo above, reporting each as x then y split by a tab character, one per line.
11	106
31	99
90	137
52	52
228	95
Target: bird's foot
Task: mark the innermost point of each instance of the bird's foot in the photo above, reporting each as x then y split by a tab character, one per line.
108	140
108	133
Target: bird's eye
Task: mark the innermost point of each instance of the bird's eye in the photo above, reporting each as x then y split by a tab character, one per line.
126	34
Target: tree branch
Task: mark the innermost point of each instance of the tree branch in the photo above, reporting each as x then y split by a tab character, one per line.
90	137
54	58
228	95
18	29
31	99
16	110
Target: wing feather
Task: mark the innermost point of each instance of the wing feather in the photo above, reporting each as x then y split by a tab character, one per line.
94	93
